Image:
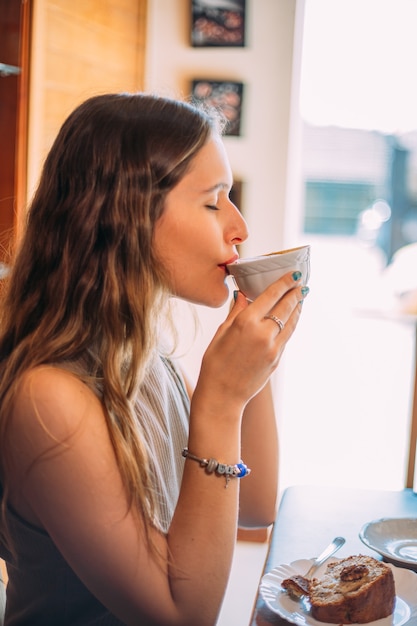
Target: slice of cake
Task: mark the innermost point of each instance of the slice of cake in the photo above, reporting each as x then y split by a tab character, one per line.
296	586
355	590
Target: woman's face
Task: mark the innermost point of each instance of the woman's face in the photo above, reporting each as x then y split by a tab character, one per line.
197	234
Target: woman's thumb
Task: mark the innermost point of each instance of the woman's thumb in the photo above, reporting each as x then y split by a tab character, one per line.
237	304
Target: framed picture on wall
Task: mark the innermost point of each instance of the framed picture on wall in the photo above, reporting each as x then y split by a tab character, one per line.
218	23
224	95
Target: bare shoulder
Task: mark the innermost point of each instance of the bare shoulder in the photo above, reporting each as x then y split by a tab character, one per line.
57	434
54	399
49	379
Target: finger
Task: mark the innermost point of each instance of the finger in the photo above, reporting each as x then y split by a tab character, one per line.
277	290
290	301
276	320
238	304
288	309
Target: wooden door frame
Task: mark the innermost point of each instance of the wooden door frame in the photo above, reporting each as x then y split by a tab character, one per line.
14	51
23	116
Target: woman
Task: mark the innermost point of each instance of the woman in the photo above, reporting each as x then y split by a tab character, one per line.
121	496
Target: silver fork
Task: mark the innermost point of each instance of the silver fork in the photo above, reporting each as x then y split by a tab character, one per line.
333	547
298	588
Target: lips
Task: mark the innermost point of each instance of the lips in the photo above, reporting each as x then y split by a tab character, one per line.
229	261
224	265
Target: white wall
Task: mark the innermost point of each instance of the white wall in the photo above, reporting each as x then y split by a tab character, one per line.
259	156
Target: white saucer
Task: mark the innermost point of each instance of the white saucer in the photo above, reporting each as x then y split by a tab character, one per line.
394	538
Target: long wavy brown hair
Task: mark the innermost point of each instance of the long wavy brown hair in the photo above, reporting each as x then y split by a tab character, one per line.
85	288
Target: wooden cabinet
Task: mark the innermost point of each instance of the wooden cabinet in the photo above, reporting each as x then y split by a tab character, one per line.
65	52
14	66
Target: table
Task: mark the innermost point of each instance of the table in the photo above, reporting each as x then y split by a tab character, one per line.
310	517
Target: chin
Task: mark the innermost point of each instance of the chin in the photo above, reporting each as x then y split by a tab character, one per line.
216	303
213	300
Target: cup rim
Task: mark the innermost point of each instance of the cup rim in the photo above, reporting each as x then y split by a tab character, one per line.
266	258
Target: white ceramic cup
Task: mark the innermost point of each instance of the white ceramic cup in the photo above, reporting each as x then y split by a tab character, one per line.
252	276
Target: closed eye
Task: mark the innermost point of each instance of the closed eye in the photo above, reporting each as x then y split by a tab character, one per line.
212	207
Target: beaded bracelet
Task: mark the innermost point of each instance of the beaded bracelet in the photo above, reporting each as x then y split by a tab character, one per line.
213	466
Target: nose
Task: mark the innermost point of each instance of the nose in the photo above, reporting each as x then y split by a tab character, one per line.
238	230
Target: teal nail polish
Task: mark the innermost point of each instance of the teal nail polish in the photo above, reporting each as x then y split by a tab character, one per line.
296	275
235	295
305	291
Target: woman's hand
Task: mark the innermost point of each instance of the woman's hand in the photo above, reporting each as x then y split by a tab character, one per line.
248	346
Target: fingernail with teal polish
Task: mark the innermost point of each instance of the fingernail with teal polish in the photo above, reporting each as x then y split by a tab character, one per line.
305	291
235	295
296	275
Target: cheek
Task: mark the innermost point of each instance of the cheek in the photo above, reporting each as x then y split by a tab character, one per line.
164	235
181	243
172	254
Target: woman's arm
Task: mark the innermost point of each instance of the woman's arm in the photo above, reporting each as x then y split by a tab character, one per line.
65	479
258	493
260	451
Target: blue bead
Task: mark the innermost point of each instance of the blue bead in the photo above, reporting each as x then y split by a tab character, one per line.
243	469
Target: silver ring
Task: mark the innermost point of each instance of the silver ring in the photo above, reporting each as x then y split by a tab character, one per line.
277	321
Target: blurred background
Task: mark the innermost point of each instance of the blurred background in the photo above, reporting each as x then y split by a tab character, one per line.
325	153
358	166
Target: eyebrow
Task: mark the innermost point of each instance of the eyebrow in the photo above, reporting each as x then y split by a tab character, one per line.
218	187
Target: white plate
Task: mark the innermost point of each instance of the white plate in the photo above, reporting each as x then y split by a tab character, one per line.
394	538
280	603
